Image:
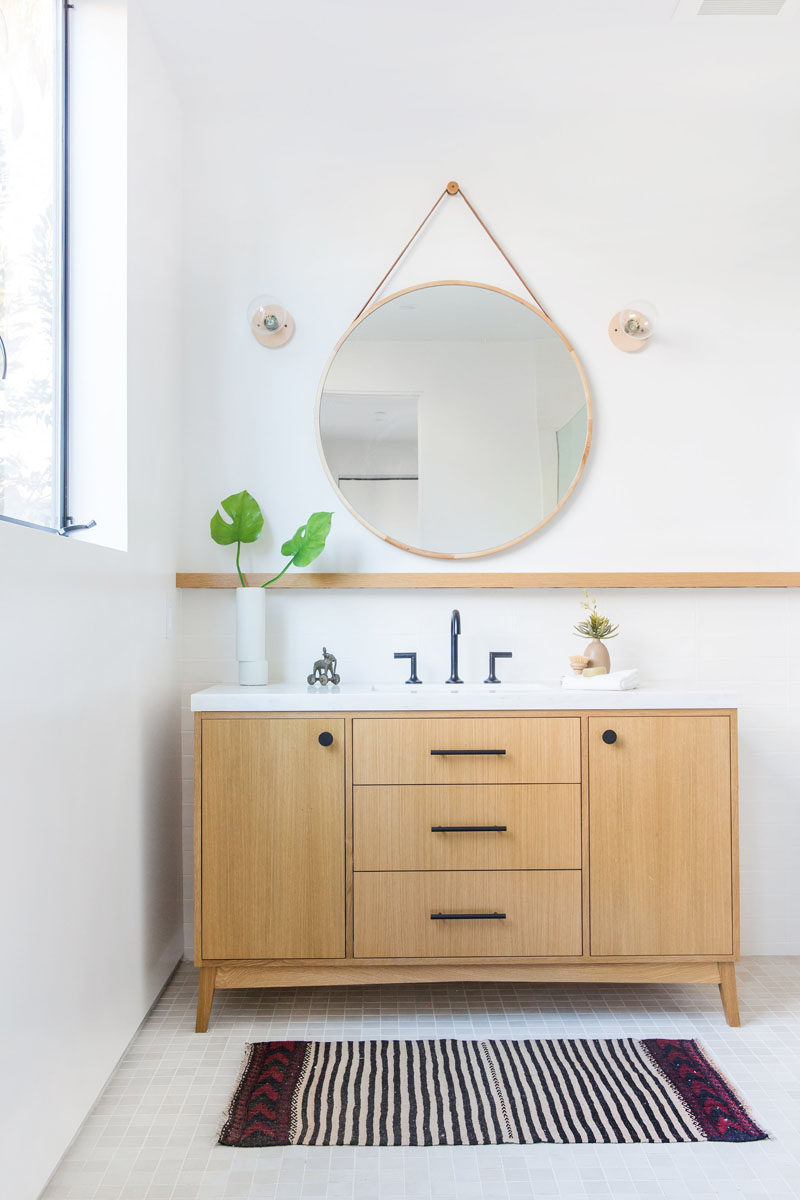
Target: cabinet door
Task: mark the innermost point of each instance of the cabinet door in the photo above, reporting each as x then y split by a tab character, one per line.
660	835
272	838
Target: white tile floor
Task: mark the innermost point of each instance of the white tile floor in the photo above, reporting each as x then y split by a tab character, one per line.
152	1134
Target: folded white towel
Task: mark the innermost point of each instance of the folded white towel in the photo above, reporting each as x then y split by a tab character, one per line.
617	681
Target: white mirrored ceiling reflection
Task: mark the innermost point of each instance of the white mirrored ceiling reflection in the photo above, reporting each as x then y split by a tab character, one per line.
453	419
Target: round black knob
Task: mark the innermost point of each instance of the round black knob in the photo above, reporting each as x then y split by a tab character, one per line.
609	737
326	739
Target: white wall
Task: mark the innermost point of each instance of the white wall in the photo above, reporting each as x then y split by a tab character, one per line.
693	463
97	272
697	213
90	872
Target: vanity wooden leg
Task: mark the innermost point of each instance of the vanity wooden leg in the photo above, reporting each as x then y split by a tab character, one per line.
727	990
205	997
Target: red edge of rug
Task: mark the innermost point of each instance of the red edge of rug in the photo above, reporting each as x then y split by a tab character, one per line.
261	1109
712	1103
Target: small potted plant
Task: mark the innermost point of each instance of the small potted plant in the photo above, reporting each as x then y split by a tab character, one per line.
599	629
245	525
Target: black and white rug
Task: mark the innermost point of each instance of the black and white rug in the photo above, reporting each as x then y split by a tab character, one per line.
444	1092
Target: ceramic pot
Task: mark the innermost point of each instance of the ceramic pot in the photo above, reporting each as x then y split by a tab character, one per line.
598	656
251	635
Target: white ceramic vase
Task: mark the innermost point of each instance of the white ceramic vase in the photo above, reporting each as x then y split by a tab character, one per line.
251	634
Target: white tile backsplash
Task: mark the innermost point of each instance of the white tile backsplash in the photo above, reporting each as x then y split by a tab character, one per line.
744	639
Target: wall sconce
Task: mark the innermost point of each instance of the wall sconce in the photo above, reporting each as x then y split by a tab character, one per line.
631	328
270	323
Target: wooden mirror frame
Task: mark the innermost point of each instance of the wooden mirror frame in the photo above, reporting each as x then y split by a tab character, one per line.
436	553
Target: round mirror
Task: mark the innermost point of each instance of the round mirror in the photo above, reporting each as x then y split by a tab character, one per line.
453	419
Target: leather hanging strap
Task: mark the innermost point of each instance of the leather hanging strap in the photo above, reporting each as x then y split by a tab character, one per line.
452	189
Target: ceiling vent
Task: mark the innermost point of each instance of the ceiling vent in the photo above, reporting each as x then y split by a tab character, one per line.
740	8
736	10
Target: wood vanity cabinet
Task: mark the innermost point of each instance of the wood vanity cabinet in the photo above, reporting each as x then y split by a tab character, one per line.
660	836
271	856
408	847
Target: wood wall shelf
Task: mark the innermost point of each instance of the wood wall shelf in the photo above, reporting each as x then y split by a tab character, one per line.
486	579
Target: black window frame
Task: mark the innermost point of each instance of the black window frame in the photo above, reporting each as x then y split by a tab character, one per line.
66	524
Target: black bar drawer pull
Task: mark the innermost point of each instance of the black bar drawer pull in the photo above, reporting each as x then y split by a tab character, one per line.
467	751
468	916
469	828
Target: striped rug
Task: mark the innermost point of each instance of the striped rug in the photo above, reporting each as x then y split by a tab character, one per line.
443	1092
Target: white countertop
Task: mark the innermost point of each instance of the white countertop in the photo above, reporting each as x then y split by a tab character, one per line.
358	697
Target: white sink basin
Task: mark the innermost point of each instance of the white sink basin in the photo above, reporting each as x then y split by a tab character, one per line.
458	689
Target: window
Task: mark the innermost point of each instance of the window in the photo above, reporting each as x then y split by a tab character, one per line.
32	307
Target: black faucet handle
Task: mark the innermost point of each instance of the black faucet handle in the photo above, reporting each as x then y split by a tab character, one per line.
493	656
412	656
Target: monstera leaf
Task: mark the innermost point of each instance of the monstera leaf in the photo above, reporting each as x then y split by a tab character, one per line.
309	541
245	524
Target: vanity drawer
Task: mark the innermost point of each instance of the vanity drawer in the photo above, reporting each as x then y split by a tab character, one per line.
393	914
422	828
467	750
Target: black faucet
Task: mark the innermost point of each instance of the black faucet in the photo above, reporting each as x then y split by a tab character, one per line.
455	630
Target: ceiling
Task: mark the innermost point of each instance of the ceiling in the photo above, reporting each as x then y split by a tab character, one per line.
215	51
369	416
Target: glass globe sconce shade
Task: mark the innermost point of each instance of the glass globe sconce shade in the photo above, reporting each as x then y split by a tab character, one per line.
631	328
270	323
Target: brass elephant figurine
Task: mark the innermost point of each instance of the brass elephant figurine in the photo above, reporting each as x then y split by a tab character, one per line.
324	671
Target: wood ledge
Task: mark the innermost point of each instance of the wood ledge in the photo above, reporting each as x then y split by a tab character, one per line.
488	579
